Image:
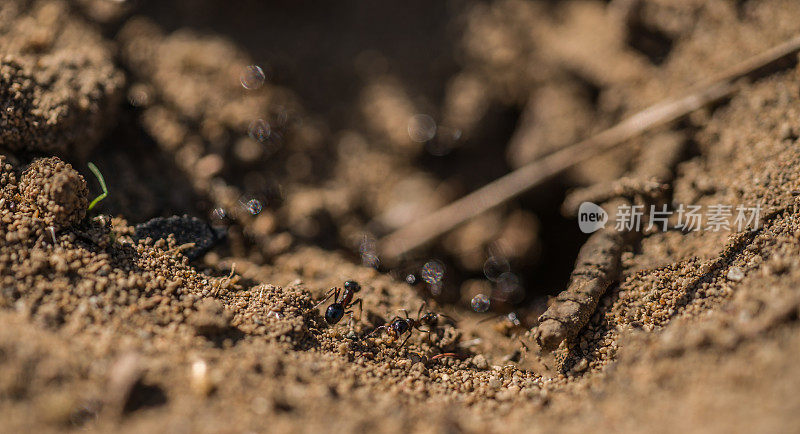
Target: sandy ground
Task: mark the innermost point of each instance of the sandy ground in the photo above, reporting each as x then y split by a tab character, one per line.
104	330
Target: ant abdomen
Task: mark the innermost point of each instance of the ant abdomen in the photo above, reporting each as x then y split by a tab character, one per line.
334	313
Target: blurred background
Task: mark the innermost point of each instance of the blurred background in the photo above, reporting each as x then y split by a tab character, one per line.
300	123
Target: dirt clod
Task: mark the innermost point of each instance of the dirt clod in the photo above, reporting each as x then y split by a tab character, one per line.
56	192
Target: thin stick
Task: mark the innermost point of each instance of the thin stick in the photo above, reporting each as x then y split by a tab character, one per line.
526	177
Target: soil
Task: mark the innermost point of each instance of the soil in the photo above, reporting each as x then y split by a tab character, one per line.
114	319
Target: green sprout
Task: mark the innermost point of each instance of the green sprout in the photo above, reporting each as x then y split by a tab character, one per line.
100	179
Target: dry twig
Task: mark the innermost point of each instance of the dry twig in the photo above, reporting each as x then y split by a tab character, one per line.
502	189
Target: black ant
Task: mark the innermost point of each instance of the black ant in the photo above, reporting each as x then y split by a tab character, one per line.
399	326
430	319
339	307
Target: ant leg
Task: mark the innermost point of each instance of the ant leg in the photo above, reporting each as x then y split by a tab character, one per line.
419	312
404	312
383	327
405	340
350	312
360	308
332	291
425	331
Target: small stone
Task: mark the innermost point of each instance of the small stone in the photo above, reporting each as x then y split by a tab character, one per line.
580	366
735	274
200	379
480	362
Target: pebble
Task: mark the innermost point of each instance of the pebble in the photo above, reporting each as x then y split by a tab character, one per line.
580	366
480	362
735	274
200	380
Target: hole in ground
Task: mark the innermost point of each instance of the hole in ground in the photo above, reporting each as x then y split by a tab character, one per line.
559	238
651	42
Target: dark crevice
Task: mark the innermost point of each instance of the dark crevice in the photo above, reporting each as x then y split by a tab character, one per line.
160	189
145	396
651	42
559	237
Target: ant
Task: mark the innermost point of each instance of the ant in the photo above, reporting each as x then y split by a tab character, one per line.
339	307
430	319
398	326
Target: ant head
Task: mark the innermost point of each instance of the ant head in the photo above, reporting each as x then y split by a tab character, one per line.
334	313
352	285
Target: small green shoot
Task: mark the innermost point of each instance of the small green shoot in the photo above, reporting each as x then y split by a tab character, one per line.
100	179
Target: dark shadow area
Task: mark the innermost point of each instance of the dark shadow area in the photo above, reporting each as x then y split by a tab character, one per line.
144	396
294	40
143	181
651	42
481	159
560	240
